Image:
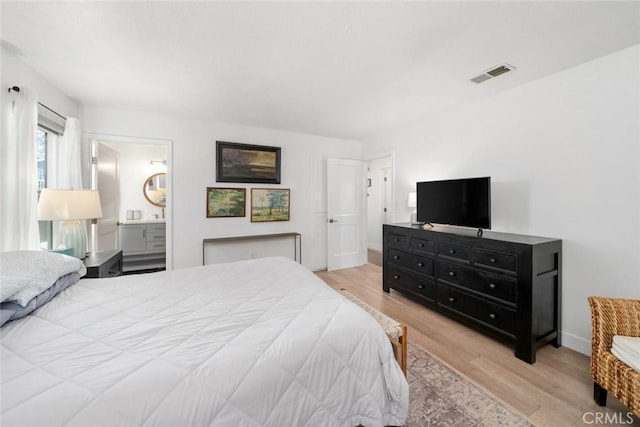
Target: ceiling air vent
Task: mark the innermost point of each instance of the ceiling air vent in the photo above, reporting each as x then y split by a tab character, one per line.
493	72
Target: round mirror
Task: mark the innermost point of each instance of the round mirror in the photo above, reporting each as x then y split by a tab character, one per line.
155	189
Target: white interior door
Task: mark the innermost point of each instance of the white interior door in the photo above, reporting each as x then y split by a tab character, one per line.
388	196
346	204
379	199
107	183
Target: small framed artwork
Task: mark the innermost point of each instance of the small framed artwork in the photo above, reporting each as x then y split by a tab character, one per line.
226	202
269	204
247	163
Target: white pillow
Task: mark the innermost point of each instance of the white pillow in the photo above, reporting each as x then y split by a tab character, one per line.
627	350
25	274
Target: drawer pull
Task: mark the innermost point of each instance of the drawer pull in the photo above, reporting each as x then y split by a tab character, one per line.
420	286
492	316
452	273
493	260
492	286
421	264
396	277
452	251
421	245
397	240
451	299
396	257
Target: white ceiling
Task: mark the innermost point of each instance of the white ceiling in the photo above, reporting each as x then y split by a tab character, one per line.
343	69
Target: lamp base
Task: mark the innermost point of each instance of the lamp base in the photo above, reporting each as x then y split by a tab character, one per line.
414	220
72	236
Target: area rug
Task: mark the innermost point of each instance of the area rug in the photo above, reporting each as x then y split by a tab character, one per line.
439	396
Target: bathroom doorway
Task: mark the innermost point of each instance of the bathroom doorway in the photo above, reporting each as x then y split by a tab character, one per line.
379	203
121	170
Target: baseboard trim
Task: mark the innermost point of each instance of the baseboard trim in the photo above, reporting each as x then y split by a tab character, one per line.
576	343
374	247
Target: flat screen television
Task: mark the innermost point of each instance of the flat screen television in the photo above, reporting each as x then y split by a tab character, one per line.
464	202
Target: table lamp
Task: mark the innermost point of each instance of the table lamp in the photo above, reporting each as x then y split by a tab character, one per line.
70	206
413	203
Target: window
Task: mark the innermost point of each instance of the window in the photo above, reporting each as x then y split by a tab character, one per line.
50	127
45	146
41	154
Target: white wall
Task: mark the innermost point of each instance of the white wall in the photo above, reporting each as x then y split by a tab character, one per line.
134	168
17	73
563	156
193	170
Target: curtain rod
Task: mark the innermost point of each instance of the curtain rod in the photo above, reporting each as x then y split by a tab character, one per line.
17	90
57	114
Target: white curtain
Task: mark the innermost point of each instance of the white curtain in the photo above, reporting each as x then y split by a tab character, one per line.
69	167
18	176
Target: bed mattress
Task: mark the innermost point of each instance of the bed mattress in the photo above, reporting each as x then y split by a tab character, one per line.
252	343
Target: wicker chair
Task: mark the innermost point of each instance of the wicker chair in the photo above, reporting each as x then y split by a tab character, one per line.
609	317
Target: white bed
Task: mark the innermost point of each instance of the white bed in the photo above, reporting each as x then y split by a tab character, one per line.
253	343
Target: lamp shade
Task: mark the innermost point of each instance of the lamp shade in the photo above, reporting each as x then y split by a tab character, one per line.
62	205
412	202
70	206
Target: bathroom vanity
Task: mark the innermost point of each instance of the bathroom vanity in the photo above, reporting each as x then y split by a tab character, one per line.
143	244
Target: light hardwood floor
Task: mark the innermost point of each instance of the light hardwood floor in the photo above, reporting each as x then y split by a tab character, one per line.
555	391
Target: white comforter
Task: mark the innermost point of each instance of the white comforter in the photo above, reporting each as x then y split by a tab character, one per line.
252	343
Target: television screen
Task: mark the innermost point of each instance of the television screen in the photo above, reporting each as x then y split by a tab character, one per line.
464	202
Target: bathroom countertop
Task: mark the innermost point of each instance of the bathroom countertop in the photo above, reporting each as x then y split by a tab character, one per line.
144	221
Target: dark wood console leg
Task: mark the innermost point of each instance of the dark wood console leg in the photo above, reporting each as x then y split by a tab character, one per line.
599	394
385	288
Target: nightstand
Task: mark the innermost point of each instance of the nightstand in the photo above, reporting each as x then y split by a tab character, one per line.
103	264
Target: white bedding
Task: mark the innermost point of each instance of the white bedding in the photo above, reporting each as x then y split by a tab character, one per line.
253	343
627	350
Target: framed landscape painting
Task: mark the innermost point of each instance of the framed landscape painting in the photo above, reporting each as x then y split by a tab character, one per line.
226	202
247	163
269	204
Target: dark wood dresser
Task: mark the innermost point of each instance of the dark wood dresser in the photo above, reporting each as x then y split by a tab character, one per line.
506	285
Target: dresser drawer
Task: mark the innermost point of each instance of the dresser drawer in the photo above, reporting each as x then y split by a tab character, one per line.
113	269
156	246
155	236
495	260
492	285
404	281
398	240
421	245
478	309
416	263
454	251
160	228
